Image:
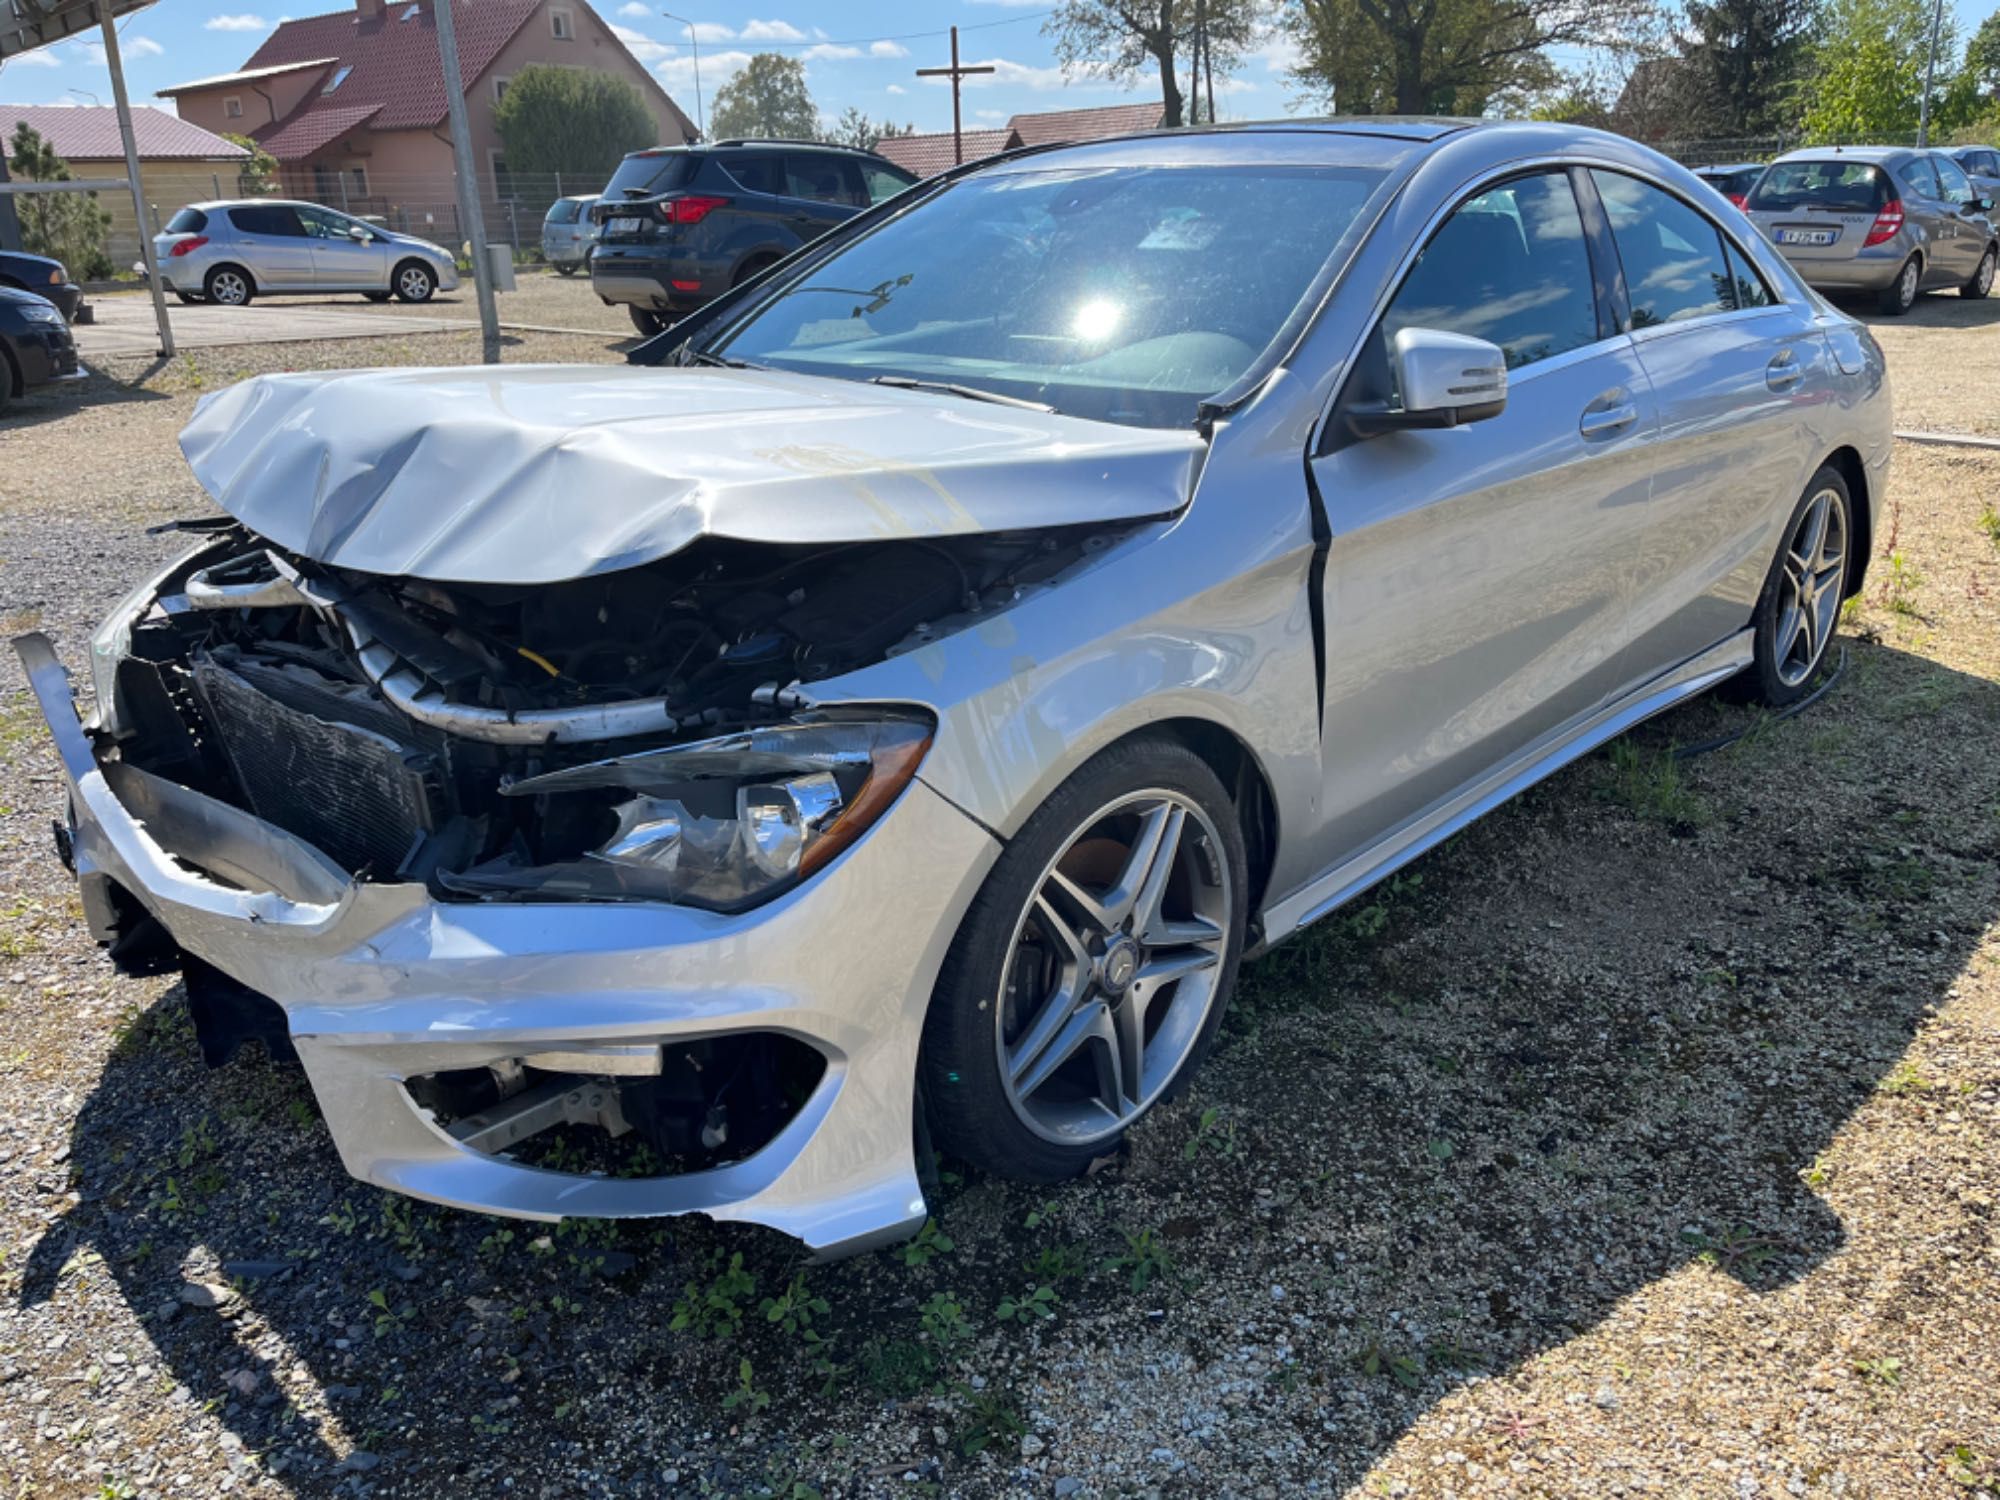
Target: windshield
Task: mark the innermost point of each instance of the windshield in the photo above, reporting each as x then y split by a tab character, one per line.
1126	294
1843	186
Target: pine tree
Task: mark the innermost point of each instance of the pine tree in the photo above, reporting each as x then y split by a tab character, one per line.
70	227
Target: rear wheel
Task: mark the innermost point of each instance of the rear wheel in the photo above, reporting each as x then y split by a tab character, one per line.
228	286
566	268
1901	294
414	281
755	266
9	381
647	321
1982	279
1091	974
1799	610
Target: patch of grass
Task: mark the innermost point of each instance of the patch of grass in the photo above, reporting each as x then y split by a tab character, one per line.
897	1368
1899	589
1057	1263
716	1306
1375	1361
1885	1369
1989	523
1033	1305
1905	1078
1740	1251
991	1416
1143	1260
1211	1133
746	1398
944	1321
1648	783
930	1243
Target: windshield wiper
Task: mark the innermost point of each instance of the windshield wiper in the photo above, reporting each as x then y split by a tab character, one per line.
703	357
969	392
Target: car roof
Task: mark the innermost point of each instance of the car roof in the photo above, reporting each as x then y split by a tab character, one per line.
1873	156
1737	166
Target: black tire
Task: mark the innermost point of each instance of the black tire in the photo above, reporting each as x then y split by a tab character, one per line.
967	1101
755	266
413	281
1780	672
228	286
10	381
566	268
190	299
1982	279
1901	294
376	296
647	321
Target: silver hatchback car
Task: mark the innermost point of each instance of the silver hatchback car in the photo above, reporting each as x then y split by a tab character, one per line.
1878	219
568	232
906	692
229	253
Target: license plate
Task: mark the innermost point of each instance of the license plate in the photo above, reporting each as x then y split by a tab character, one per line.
624	226
1807	236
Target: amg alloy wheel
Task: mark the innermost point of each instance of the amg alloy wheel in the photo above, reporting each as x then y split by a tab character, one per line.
1092	973
1799	610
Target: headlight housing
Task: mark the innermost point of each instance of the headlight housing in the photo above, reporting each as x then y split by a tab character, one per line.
722	824
41	312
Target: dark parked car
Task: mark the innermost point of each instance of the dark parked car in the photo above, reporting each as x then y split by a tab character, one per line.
1733	182
44	277
35	345
683	224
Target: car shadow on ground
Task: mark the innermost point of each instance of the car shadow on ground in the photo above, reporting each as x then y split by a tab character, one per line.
1604	1033
1933	310
53	402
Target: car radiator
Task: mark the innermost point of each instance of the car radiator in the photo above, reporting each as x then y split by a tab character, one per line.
321	759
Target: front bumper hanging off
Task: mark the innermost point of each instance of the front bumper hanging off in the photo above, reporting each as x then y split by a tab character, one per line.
381	983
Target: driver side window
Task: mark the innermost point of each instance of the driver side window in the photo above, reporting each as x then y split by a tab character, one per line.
1957	186
1509	266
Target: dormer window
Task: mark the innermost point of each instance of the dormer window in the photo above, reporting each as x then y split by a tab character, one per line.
339	77
560	26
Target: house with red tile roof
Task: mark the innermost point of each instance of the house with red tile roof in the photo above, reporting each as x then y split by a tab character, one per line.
929	154
178	160
352	103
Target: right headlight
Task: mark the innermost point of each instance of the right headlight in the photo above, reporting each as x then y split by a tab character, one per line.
721	823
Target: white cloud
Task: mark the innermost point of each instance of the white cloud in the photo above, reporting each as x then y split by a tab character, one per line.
640	45
42	59
236	23
1010	4
1041	80
887	49
676	74
636	11
1279	52
771	31
829	52
90	52
711	31
140	46
897	88
991	114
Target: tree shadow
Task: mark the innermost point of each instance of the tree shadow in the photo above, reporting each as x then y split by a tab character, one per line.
1603	1034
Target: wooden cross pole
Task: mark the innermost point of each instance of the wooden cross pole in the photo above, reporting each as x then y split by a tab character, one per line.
955	73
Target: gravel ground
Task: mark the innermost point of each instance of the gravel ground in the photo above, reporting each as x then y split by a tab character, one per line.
1946	354
1640	1141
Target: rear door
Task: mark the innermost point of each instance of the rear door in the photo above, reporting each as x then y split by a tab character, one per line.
1734	370
273	243
1974	230
822	189
1477	580
1936	226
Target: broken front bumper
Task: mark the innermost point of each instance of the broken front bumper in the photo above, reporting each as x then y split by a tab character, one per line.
381	983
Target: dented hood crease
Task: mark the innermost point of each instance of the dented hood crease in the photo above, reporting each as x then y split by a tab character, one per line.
541	473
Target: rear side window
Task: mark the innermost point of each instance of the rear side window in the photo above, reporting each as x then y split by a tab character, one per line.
1957	186
883	181
1842	186
187	221
1746	286
1509	266
1673	258
824	178
754	171
649	172
563	211
1921	177
274	219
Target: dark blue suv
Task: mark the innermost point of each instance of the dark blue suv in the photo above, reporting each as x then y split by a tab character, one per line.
683	224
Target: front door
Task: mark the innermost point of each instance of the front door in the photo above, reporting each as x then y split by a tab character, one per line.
340	259
1478	579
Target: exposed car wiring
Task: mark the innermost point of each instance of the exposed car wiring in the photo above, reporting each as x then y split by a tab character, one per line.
1790	710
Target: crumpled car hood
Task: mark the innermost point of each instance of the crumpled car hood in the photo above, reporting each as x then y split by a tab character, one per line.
541	473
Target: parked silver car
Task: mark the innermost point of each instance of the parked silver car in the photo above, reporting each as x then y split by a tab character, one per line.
1878	219
1982	165
568	232
920	679
231	252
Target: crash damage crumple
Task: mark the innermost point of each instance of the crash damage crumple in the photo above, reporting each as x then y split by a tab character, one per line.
541	473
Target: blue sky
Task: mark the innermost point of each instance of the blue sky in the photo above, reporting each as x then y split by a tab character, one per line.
863	54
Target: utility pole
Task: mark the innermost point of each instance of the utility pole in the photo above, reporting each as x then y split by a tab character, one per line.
955	73
468	183
1930	72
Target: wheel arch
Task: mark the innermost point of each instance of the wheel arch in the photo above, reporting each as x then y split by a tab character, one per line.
1847	461
12	382
1236	766
231	265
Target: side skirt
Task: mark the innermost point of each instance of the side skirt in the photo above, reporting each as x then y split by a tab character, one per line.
1546	756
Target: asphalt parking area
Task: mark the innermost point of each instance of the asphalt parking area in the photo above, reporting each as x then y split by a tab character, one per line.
125	324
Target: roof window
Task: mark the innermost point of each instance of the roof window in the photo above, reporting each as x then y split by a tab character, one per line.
339	77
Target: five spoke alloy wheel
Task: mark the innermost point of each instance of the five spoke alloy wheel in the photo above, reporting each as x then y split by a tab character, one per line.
1091	971
1113	969
1814	568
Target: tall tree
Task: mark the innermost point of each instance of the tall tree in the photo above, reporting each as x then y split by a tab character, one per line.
1119	40
1982	55
70	227
768	99
1868	74
575	121
1743	62
1442	56
855	129
258	175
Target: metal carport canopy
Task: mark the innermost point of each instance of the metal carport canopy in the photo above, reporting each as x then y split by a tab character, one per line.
28	26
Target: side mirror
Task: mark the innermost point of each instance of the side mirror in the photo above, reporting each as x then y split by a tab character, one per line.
1446	380
359	235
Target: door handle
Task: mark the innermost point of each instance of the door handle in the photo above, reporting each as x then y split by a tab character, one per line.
1783	372
1609	419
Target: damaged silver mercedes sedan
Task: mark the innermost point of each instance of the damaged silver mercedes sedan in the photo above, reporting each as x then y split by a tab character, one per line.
905	692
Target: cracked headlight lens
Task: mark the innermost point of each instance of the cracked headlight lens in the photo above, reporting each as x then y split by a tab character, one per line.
721	823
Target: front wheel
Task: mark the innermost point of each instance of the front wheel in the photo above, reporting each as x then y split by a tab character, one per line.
415	281
1901	294
1982	279
1091	973
1799	610
647	321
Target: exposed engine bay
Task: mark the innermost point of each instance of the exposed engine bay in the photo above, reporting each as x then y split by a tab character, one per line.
442	733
